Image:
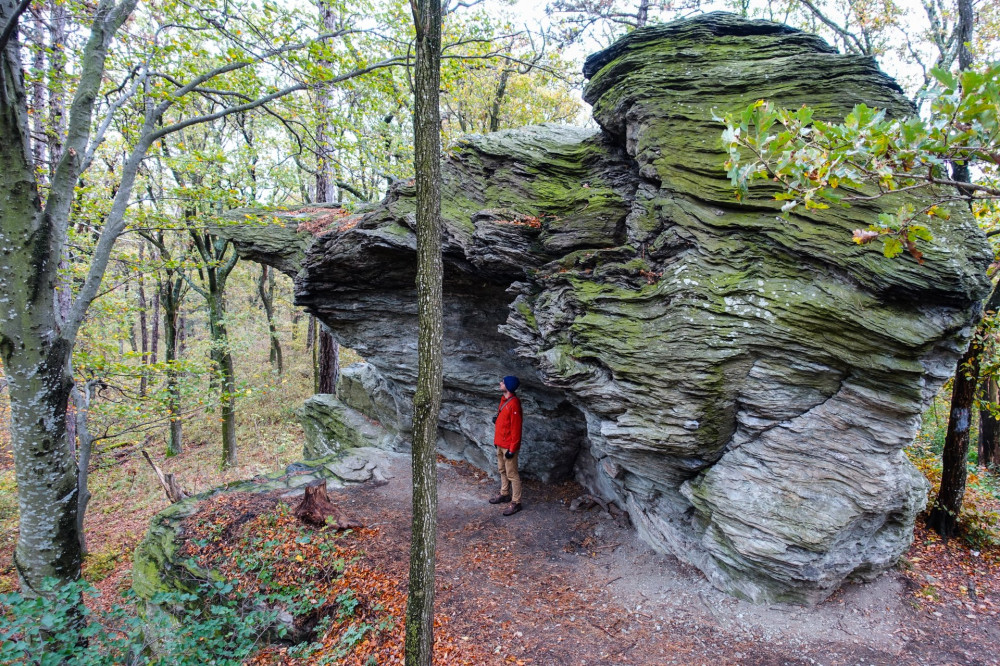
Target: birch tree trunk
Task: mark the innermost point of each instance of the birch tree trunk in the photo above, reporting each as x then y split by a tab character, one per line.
427	399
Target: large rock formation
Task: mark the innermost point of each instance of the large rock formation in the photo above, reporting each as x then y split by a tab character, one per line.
743	383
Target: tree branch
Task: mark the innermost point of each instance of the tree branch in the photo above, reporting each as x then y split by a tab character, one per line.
169	129
11	27
102	130
849	38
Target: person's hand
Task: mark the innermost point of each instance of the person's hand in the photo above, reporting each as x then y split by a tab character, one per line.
508	455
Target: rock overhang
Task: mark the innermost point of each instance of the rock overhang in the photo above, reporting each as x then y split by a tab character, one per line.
744	383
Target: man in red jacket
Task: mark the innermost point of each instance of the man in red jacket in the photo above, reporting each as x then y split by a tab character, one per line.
507	438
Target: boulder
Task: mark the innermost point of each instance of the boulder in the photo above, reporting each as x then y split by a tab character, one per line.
332	427
743	382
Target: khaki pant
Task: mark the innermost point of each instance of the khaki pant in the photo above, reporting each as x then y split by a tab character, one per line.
510	481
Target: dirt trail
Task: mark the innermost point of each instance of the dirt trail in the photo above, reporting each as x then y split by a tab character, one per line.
553	587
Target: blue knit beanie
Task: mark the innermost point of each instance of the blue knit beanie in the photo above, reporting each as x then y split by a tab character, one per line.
511	382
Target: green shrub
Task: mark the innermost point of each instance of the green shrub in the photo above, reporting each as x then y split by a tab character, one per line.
220	629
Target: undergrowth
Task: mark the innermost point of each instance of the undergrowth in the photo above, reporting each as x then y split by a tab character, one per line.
980	518
220	628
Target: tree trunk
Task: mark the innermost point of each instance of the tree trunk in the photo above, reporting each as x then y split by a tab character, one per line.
182	333
265	289
81	400
35	355
38	97
170	296
58	79
143	324
419	644
222	359
963	32
642	14
943	518
328	366
49	537
498	100
154	335
326	178
989	425
218	261
171	488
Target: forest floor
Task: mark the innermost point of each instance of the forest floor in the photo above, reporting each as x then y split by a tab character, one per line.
550	586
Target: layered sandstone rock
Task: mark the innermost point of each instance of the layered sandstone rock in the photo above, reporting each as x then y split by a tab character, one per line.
742	382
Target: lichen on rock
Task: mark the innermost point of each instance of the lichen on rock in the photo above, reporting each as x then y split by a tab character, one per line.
744	383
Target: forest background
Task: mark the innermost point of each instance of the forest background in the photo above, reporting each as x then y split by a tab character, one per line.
187	353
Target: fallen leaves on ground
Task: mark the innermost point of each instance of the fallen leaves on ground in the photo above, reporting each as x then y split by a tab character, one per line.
322	577
950	571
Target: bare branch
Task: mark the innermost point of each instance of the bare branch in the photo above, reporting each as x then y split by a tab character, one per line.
850	39
169	129
102	130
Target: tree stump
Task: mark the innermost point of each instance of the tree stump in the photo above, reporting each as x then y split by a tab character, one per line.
167	481
317	509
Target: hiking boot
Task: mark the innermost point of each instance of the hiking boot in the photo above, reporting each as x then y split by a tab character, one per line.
512	509
499	499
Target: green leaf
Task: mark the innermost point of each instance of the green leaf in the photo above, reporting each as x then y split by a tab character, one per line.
891	247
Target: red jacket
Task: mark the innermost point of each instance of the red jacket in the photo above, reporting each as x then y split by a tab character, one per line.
507	434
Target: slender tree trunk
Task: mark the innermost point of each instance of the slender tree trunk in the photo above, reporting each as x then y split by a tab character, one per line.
944	515
326	178
223	361
963	32
642	14
171	292
143	323
329	363
154	336
427	399
498	100
265	289
182	333
311	333
81	400
989	425
38	97
58	78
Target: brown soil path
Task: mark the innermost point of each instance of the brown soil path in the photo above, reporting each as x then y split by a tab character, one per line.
554	587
